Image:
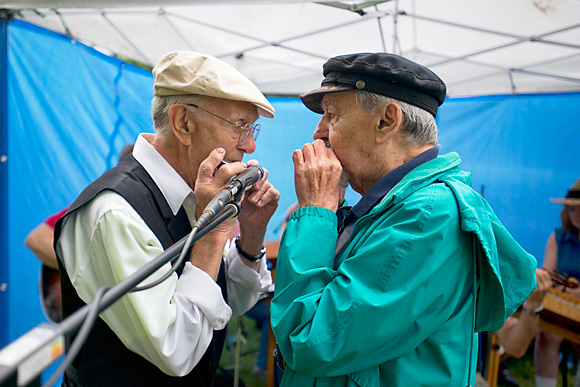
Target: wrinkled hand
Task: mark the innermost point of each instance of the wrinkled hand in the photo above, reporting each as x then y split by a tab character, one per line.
210	182
258	206
317	173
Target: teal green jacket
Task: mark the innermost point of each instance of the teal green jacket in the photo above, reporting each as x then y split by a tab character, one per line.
428	267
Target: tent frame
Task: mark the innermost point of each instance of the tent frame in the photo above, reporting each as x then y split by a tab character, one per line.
365	16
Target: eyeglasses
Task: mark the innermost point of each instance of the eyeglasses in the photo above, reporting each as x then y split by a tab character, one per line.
245	130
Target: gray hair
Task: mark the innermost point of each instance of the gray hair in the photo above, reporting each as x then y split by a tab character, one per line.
419	126
160	110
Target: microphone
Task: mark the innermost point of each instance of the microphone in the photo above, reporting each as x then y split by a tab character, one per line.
238	183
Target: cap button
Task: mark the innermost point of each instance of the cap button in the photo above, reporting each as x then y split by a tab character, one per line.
360	84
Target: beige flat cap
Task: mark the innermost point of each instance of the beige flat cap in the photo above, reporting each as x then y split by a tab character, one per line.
189	72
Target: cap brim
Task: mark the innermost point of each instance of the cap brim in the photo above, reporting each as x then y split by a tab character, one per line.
313	98
264	111
567	201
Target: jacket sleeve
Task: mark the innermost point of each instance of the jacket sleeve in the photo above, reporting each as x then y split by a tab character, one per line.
403	275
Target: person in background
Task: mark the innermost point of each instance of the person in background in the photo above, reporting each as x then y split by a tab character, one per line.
562	255
517	334
394	294
40	240
171	334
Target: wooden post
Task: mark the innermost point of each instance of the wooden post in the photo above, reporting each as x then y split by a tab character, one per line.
272	254
493	360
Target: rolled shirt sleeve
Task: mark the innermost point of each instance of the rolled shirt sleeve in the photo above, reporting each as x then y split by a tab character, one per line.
245	285
171	324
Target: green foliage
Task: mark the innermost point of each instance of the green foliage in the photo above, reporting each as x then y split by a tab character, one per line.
248	352
523	370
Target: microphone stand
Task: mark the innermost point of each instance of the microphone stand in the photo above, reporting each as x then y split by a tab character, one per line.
22	361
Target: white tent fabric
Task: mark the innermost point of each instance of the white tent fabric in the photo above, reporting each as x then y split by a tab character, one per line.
477	47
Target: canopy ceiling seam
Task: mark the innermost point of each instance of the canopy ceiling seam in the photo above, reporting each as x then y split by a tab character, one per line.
538	38
396	42
63	22
266	43
469	61
512	82
504	68
545	75
381	34
291	66
459	25
163	14
143	56
476	53
520	41
356	8
514	70
181	34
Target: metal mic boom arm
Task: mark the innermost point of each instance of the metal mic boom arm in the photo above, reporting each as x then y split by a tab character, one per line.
22	361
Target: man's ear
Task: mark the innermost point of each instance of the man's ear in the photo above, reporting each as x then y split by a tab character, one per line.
182	123
390	121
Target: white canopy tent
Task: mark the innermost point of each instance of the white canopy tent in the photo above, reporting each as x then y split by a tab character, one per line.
53	114
477	47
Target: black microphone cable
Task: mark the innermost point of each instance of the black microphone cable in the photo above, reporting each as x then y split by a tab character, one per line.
237	186
80	339
93	313
207	221
176	262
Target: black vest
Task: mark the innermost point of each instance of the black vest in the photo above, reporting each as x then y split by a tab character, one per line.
103	359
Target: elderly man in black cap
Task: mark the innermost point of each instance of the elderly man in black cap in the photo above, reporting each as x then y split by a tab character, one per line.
392	291
171	334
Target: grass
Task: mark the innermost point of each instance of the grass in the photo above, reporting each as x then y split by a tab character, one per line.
248	352
523	370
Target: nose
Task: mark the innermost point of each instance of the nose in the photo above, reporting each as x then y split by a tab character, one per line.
249	145
321	130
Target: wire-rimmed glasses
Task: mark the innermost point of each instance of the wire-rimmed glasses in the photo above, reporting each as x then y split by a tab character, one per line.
245	130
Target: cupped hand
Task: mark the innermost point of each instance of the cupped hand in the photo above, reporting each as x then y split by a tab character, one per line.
210	182
317	173
258	206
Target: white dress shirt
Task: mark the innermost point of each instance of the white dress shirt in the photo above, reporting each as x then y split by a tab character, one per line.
171	324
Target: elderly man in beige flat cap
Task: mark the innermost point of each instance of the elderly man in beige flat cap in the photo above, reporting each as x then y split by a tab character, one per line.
171	334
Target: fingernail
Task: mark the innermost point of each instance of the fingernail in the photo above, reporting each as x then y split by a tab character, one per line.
221	150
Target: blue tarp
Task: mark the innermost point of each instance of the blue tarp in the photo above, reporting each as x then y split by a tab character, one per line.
72	109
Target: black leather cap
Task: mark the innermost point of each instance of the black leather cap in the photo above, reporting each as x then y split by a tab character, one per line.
380	73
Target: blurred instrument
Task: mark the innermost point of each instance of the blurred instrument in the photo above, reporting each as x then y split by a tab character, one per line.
567	282
561	315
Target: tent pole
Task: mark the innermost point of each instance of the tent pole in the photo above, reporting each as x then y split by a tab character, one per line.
5	16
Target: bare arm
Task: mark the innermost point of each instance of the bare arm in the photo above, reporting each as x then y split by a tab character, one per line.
40	240
516	337
551	254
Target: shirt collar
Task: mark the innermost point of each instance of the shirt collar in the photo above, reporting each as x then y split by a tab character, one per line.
169	182
388	181
570	237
